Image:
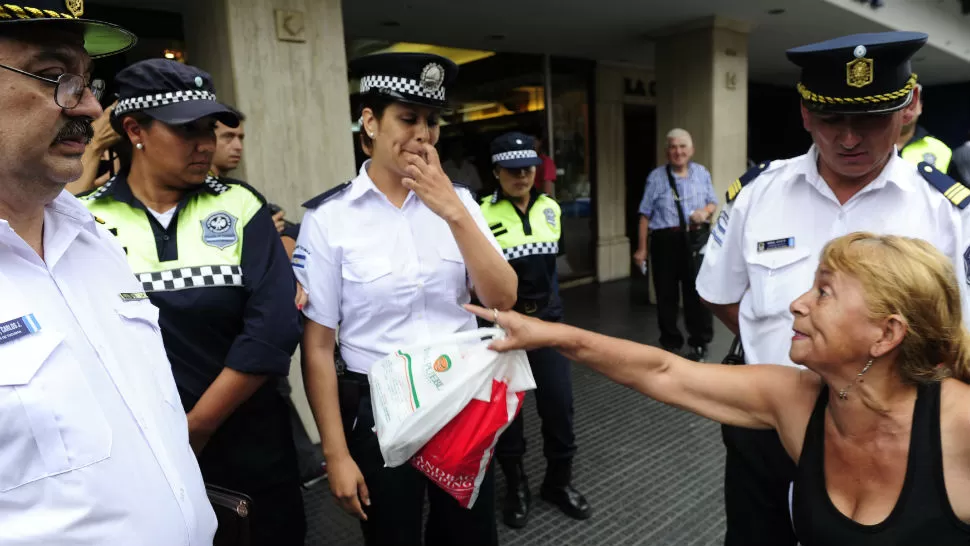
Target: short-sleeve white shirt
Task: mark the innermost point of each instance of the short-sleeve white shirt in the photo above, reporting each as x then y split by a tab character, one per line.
765	246
94	444
387	276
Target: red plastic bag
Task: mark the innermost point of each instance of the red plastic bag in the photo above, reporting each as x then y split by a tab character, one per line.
457	456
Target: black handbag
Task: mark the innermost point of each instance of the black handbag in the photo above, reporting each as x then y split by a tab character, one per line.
735	353
232	512
694	240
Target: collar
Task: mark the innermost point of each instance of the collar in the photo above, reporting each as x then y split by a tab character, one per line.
919	134
362	184
117	187
67	205
534	195
896	171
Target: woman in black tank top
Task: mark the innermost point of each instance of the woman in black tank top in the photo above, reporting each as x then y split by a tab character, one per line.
879	423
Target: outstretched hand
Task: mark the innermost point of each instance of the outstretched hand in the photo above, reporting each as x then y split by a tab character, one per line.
522	332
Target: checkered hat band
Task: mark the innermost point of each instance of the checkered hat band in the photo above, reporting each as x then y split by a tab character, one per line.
403	86
531	249
515	154
191	277
134	104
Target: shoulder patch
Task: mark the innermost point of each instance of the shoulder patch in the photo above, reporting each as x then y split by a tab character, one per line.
323	197
745	179
955	192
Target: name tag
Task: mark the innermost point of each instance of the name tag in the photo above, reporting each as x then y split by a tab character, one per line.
788	242
18	328
132	296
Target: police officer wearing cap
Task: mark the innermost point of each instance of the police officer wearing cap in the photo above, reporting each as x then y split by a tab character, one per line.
208	256
528	226
389	257
856	93
91	449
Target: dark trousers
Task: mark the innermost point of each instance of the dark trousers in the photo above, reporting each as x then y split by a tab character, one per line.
674	272
554	400
397	499
253	453
757	475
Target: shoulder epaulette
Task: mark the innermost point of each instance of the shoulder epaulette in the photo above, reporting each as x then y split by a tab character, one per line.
745	179
228	182
957	193
323	197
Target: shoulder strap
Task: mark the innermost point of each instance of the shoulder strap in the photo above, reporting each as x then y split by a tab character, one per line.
323	197
957	193
673	188
745	179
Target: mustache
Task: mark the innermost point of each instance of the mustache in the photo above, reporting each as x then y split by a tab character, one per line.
76	128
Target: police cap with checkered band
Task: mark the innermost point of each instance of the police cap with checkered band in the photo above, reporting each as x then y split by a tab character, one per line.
415	78
858	74
514	151
100	38
170	92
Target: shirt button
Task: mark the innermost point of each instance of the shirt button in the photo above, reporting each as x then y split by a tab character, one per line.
164	237
182	493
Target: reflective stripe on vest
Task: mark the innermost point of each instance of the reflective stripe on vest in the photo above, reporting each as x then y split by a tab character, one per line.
929	150
206	256
507	227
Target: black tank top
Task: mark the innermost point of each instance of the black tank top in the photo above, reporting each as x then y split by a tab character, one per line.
922	515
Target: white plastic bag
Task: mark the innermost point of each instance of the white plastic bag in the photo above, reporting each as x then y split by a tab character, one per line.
417	390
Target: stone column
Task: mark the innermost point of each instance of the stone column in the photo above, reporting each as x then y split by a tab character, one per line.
702	86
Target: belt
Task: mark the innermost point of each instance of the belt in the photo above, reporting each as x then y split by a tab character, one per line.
358	377
531	307
678	229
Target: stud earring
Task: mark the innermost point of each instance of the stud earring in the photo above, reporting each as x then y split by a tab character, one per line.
371	135
140	146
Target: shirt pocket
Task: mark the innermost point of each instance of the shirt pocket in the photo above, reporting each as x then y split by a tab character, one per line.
143	335
777	278
50	421
368	287
454	274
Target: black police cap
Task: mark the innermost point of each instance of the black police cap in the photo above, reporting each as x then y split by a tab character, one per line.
169	91
514	151
862	73
100	38
416	78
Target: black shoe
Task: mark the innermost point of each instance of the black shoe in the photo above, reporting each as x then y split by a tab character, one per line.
557	489
571	502
698	353
518	498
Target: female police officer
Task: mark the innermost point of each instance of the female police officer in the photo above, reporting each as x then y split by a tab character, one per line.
527	225
208	256
388	257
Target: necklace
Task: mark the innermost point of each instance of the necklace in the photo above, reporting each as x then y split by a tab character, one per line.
844	392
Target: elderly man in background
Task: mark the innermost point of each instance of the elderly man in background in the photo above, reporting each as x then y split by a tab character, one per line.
93	441
676	211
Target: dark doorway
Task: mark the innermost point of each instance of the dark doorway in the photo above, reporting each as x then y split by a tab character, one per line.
640	143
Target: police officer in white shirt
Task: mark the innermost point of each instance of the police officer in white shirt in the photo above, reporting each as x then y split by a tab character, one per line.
93	440
389	258
856	93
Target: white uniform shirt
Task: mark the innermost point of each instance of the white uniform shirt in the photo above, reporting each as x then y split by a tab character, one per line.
388	277
93	439
766	245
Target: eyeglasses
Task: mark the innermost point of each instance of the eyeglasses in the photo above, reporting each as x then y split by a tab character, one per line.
68	88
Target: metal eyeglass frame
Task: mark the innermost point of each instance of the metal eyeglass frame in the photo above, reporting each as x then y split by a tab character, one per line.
96	86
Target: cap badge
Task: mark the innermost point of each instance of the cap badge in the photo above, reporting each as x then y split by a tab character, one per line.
860	51
198	81
76	7
432	77
518	141
858	72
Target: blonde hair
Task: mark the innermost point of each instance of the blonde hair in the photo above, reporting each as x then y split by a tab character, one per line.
910	278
